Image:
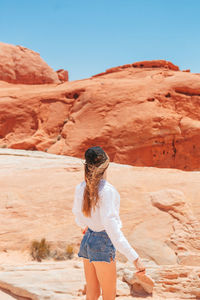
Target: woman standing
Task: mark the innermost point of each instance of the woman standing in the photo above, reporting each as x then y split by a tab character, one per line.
96	208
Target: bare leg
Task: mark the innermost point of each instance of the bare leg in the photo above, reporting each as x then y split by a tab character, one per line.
107	276
92	283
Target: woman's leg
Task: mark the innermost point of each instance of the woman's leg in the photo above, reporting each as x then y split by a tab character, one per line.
107	276
92	283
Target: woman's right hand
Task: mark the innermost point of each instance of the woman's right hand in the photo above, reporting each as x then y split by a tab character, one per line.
139	265
84	230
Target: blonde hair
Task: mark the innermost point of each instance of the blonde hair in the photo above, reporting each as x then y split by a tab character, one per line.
93	175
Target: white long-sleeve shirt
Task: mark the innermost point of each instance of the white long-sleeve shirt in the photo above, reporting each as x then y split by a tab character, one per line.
104	217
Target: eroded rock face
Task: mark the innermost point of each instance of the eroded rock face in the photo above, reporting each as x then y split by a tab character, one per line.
171	282
185	239
22	65
143	116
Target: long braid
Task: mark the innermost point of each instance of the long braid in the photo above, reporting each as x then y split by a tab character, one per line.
93	175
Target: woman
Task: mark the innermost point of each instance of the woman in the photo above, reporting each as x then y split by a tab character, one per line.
96	208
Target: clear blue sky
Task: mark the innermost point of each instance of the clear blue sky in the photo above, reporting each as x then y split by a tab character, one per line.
87	37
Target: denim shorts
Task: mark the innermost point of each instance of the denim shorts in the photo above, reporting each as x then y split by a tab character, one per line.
97	246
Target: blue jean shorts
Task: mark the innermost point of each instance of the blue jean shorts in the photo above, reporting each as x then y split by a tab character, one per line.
97	246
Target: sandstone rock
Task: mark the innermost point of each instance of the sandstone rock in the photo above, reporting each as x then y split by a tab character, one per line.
156	64
62	75
168	200
140	284
36	202
143	64
67	118
22	65
122	289
189	259
154	249
5	296
43	193
185	239
51	280
178	283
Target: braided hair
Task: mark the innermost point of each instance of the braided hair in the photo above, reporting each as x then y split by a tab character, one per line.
96	162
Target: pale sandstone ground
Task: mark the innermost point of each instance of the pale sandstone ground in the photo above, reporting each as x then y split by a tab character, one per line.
159	210
4	296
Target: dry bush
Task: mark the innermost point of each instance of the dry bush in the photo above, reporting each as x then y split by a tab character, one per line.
40	250
60	254
70	251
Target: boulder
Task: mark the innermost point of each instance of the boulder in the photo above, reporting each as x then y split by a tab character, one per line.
22	65
62	75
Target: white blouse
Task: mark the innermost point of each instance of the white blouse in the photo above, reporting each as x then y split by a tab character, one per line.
104	217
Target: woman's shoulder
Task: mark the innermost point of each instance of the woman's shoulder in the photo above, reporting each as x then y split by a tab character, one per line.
80	186
105	186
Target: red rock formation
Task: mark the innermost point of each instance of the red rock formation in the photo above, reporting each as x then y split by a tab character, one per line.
143	64
62	75
143	116
22	65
